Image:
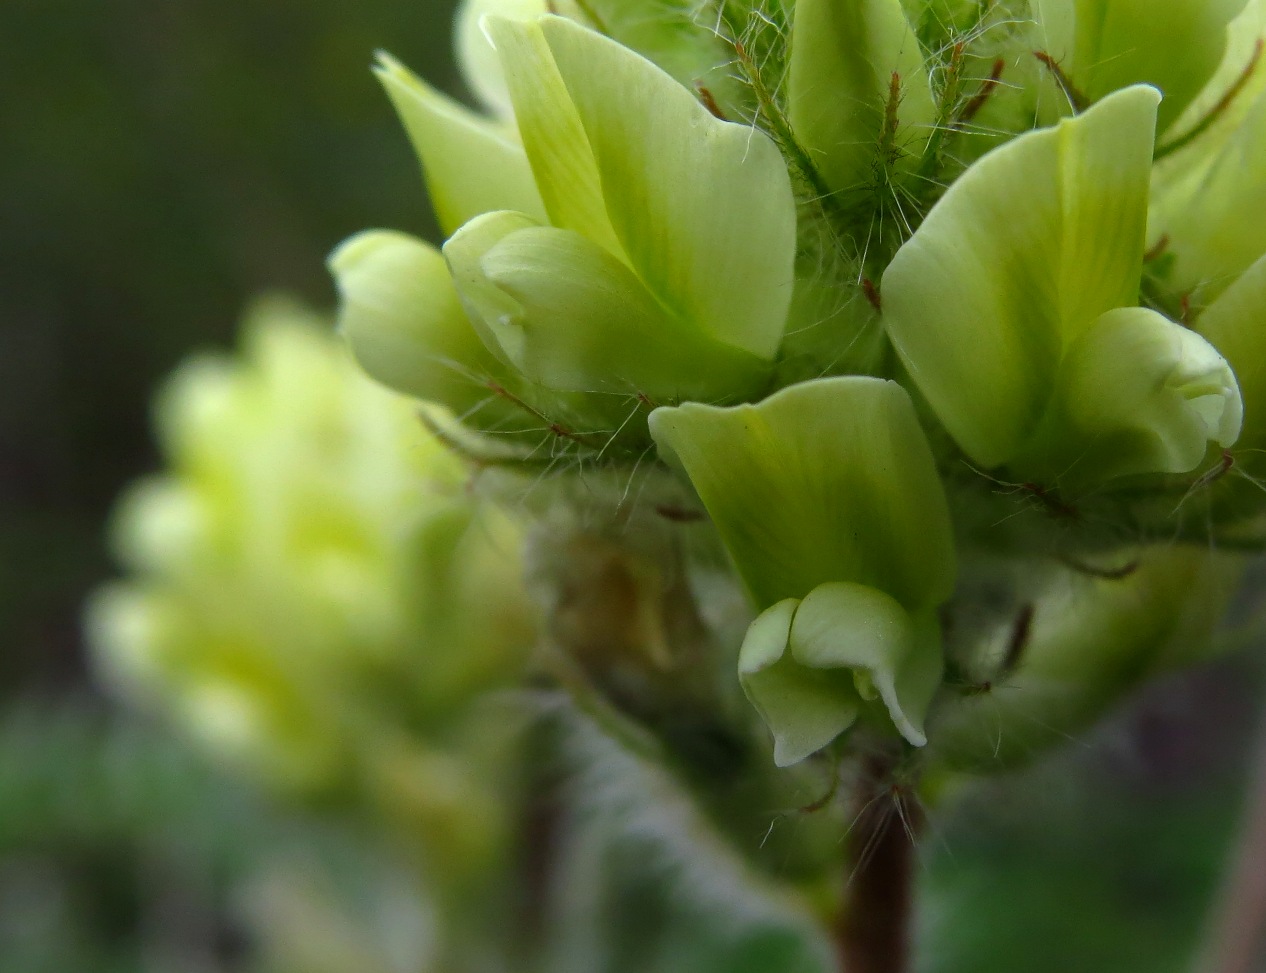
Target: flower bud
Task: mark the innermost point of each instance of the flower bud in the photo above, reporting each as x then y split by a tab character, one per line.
1011	307
846	56
669	263
827	498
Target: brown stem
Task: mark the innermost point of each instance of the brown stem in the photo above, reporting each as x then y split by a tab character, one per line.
873	931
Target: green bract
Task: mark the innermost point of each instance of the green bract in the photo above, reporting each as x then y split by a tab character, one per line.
827	498
856	67
1012	306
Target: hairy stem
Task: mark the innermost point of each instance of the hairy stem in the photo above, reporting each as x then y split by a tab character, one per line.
873	931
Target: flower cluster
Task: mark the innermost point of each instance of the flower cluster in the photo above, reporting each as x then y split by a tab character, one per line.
310	591
950	312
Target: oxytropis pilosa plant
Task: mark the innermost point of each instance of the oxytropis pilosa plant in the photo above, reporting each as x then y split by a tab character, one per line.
843	366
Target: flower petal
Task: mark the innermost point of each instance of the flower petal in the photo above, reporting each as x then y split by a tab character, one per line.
1026	249
485	303
477	58
555	140
703	208
828	480
471	165
1140	394
851	626
803	708
843	56
404	322
585	323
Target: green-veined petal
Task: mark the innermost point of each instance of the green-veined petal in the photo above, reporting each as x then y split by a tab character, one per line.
477	58
1025	250
568	315
703	208
553	136
585	323
828	480
471	165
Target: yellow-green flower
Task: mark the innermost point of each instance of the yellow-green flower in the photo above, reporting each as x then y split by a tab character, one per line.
310	578
1014	309
827	499
617	238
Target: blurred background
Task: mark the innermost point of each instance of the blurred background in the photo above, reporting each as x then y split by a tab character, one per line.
164	163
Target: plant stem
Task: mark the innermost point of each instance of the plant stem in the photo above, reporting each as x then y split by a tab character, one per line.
873	931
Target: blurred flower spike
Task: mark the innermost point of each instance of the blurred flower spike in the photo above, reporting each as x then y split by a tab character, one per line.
310	578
